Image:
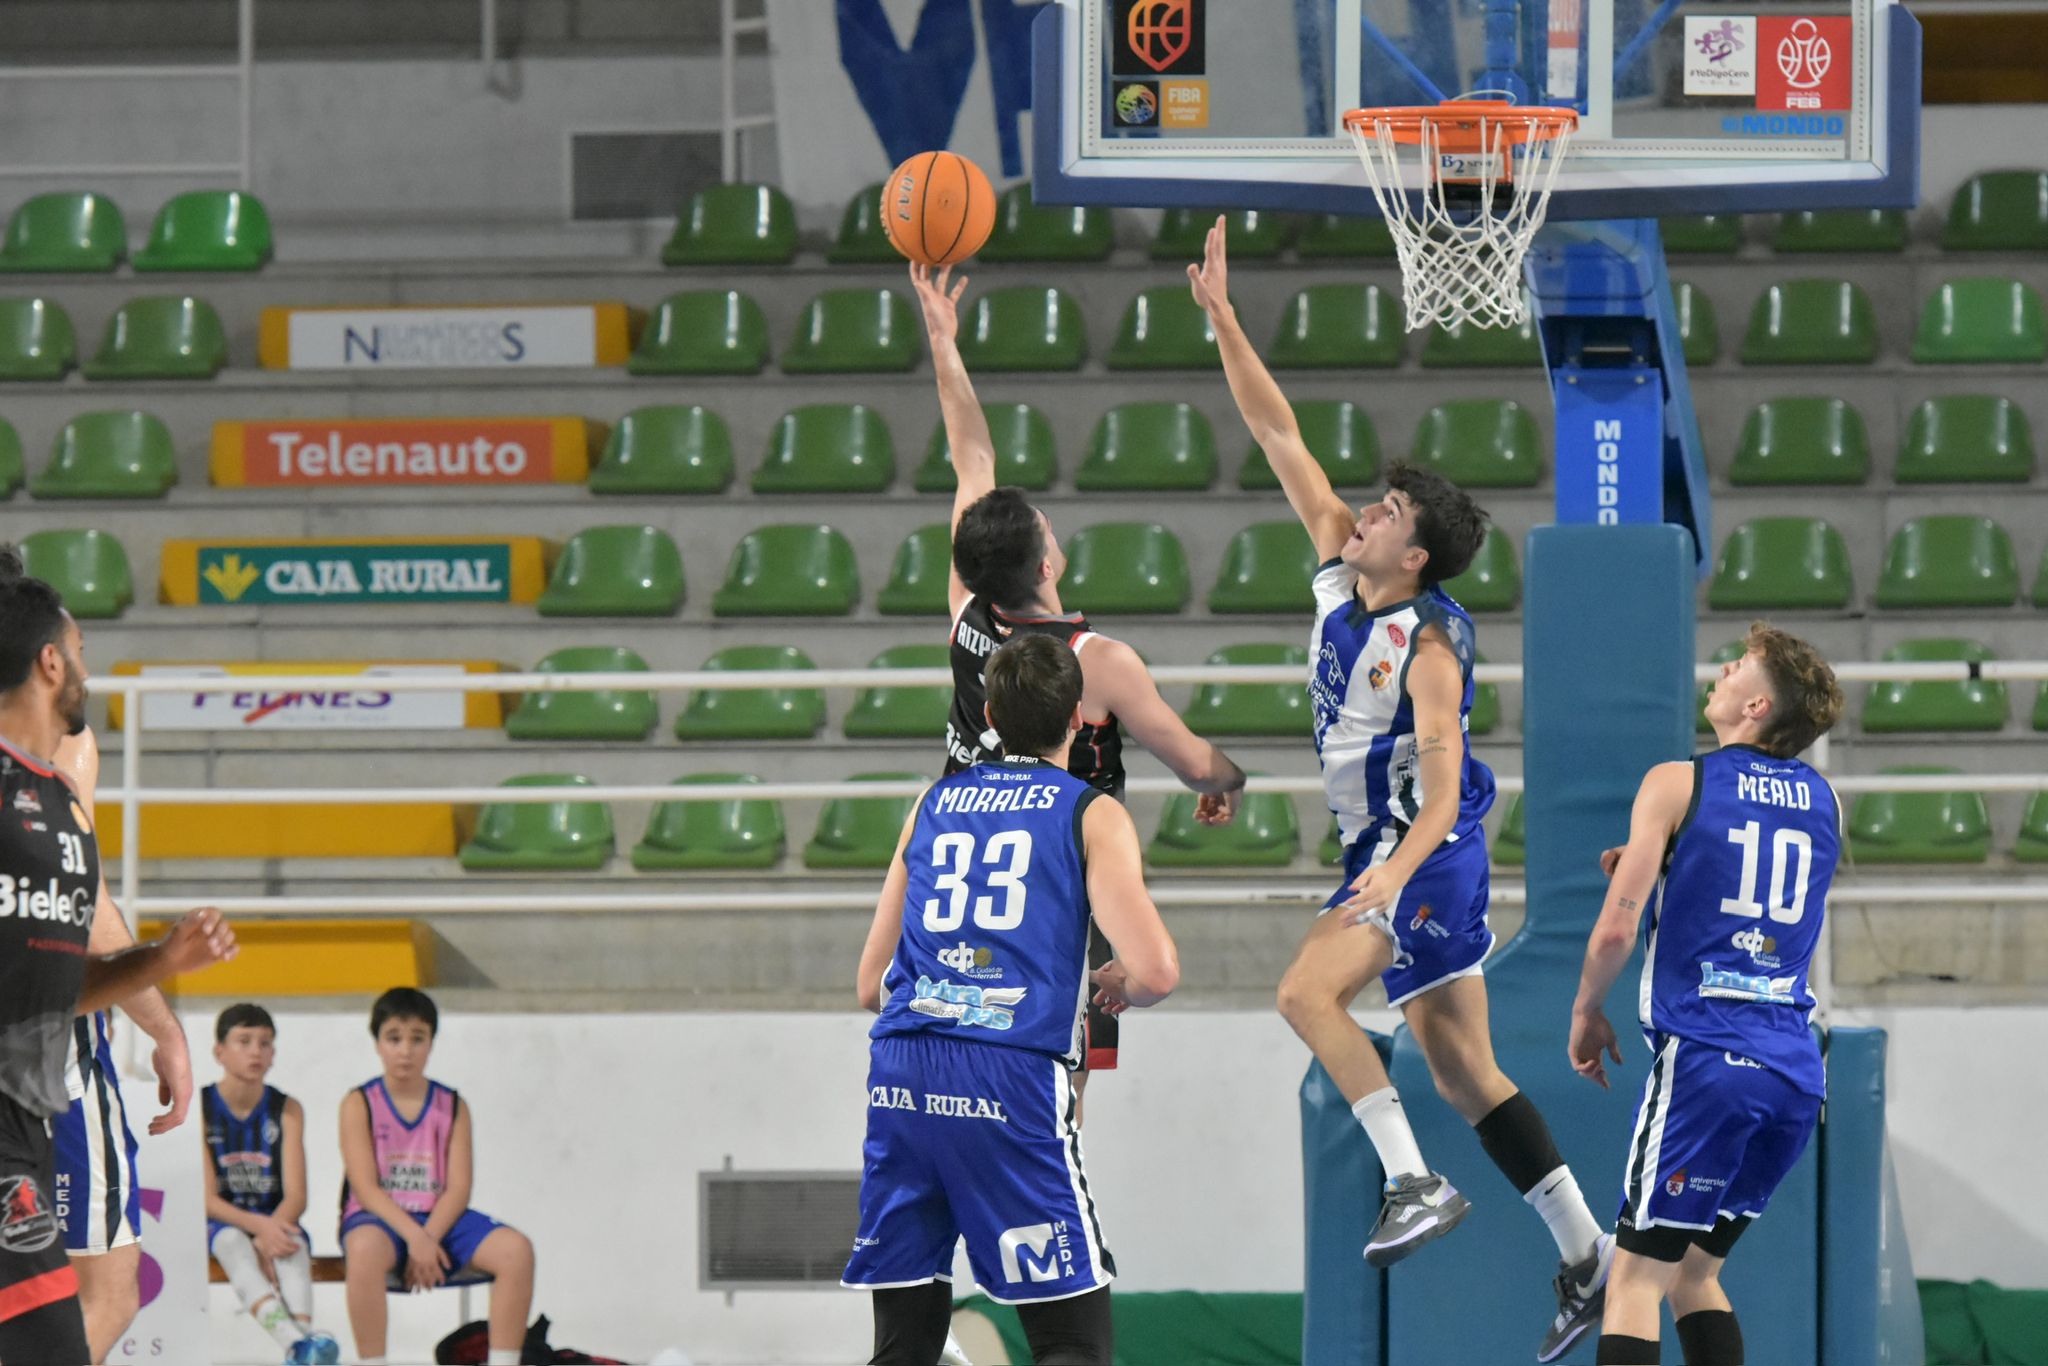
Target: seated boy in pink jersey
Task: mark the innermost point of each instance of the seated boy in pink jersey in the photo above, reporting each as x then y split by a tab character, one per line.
406	1158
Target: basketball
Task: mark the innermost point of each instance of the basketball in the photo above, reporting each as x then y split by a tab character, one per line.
938	208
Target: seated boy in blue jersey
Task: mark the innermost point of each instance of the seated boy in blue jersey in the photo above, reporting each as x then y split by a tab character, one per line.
1731	854
1391	686
407	1157
256	1186
978	964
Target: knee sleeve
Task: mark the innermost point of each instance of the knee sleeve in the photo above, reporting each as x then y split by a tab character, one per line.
1072	1332
1710	1337
911	1323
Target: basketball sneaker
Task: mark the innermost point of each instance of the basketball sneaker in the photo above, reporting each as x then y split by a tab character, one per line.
953	1353
1418	1209
1581	1297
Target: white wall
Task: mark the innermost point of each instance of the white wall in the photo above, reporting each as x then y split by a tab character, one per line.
592	1129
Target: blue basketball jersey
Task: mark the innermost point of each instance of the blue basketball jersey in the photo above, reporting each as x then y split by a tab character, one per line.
1364	718
247	1150
1738	913
994	947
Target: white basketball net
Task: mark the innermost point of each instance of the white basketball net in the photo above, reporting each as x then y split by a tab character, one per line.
1461	262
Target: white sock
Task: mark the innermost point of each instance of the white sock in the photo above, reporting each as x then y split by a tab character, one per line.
372	1361
236	1253
502	1356
1556	1197
1386	1124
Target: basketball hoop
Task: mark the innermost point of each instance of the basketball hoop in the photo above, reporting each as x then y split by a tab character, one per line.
1487	166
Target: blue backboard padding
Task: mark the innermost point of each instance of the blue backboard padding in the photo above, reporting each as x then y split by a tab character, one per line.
1341	1178
1872	1305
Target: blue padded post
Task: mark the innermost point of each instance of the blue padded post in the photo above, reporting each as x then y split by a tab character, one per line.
1871	1305
1341	1179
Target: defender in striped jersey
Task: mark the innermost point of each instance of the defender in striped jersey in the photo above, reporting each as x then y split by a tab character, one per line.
1391	687
1733	854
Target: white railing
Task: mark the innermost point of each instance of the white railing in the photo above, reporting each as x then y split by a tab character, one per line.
132	795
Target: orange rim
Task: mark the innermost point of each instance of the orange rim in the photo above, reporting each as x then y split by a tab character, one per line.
1466	125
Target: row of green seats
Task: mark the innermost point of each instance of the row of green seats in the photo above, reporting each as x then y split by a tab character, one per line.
160	337
1802	563
1976	320
1889	827
77	231
748	833
1973	704
1993	211
1955	438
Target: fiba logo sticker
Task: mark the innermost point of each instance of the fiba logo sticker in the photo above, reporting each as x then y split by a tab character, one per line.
1809	64
1136	104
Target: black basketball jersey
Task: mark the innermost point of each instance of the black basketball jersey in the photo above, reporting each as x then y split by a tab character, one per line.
49	884
1097	757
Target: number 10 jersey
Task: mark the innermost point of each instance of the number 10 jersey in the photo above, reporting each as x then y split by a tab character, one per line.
994	947
1738	914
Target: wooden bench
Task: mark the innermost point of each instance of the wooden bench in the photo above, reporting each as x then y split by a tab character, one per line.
333	1270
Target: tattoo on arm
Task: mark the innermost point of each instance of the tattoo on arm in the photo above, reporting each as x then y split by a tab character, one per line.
1626	904
1431	744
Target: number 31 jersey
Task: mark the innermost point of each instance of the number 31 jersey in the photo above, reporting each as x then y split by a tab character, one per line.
994	947
1738	913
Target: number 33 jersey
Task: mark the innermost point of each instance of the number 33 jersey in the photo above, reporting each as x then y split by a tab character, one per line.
994	947
1736	918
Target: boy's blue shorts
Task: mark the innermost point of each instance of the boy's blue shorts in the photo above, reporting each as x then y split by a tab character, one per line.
460	1242
1439	923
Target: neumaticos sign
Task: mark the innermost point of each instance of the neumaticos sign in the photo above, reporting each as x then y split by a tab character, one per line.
530	450
483	336
456	569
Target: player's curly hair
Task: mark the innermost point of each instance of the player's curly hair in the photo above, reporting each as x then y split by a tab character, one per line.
1448	524
1806	699
998	546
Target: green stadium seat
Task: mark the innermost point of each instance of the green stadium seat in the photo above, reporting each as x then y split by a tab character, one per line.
1802	441
733	225
1264	835
860	832
1699	331
789	571
2041	582
1481	443
1253	708
828	448
665	449
1164	329
1025	455
1949	562
1338	327
1771	563
1024	327
166	337
1458	347
1842	230
1999	211
1509	844
1149	448
1484	718
736	833
564	836
702	332
1728	653
854	331
863	240
1983	320
88	567
67	231
1120	567
608	714
1971	438
1706	234
1255	234
1919	827
109	455
1028	231
1337	433
1811	322
2041	707
11	470
919	574
1340	235
208	230
1493	581
1267	567
753	713
902	712
1330	853
2032	846
615	571
36	341
1972	704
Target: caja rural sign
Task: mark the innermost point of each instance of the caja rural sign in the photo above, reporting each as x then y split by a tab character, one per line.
393	569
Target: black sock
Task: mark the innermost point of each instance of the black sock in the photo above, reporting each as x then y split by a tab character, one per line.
1620	1350
1516	1138
1711	1337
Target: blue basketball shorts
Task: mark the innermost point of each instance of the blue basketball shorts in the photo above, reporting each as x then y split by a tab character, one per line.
97	1199
460	1242
1439	923
975	1141
1715	1135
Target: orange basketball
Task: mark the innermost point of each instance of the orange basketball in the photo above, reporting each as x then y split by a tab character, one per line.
938	208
